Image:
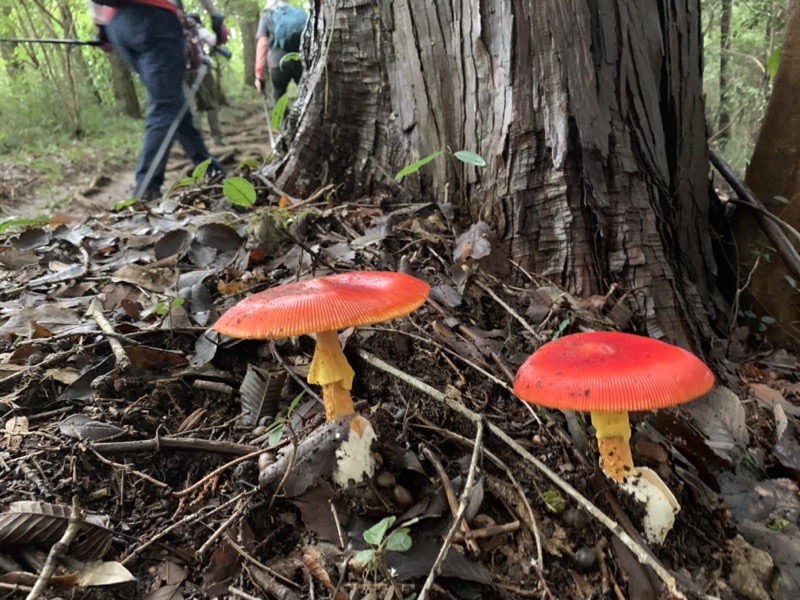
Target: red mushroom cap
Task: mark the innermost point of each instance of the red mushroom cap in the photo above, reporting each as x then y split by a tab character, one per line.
610	371
326	303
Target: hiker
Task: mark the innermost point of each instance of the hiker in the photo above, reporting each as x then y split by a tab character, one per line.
279	31
148	36
207	98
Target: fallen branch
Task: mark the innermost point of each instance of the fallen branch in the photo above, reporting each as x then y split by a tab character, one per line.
57	551
784	246
95	311
641	553
155	444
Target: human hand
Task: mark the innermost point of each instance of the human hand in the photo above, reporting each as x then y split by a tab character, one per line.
101	39
219	29
259	83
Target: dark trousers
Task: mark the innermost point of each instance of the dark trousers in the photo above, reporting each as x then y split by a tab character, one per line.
281	74
150	41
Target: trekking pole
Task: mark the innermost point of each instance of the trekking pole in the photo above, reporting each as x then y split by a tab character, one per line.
63	42
269	121
201	73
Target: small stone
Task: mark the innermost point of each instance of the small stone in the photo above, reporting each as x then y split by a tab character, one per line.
402	497
385	480
586	558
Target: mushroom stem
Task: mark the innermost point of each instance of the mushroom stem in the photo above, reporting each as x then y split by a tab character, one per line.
613	437
329	368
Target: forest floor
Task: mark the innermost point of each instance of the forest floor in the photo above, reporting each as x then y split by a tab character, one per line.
121	408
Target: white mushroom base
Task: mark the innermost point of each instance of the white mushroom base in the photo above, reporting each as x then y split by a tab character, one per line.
354	459
660	505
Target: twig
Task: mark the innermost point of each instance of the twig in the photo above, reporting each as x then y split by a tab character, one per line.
58	550
157	443
243	504
450	494
466	493
509	310
95	311
128	469
639	551
216	472
785	248
191	518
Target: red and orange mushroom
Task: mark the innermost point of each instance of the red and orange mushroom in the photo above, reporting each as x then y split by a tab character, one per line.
323	306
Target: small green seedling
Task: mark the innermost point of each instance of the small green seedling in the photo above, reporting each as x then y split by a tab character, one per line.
164	308
554	502
279	112
464	156
14	223
279	425
382	541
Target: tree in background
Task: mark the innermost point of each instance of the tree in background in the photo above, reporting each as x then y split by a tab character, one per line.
591	120
772	291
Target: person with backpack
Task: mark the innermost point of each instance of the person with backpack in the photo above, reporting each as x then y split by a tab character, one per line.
207	98
148	36
279	33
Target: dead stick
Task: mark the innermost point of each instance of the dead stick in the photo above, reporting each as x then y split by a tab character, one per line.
95	311
58	550
639	551
462	507
785	248
156	444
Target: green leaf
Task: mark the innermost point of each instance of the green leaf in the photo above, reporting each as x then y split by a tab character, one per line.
183	182
399	540
161	308
295	402
470	158
124	204
781	199
239	191
767	320
249	163
275	435
278	113
23	223
415	166
290	56
176	302
773	61
375	534
201	169
364	557
791	281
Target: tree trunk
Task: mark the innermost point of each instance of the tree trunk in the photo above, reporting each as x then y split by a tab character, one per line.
774	176
247	26
124	88
724	117
589	115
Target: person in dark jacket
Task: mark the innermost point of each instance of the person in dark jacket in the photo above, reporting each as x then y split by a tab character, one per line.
279	33
148	36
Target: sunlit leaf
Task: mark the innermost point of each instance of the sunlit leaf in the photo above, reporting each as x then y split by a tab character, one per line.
201	170
399	540
239	191
415	166
470	158
290	57
773	61
375	534
279	112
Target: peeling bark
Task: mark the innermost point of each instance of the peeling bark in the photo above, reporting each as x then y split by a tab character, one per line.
590	117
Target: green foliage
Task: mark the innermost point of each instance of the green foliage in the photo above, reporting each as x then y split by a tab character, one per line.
164	308
239	191
380	543
279	112
464	156
279	425
15	223
554	502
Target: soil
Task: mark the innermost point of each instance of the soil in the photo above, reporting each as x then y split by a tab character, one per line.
127	417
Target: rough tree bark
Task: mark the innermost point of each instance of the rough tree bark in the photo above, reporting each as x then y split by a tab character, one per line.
589	114
774	171
248	23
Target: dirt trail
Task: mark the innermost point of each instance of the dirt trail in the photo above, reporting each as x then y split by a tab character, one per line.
245	135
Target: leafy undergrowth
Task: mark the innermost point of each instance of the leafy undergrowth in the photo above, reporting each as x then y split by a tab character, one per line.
124	426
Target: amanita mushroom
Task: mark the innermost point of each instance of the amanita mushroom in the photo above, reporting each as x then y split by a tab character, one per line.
323	306
609	374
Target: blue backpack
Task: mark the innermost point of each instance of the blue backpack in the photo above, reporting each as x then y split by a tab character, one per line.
287	26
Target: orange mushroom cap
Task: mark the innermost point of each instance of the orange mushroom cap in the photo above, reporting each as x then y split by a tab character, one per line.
326	303
611	371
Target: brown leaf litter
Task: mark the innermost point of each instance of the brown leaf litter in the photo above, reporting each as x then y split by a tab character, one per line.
116	396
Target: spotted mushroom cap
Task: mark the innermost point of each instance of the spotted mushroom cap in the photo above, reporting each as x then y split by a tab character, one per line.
611	371
326	303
